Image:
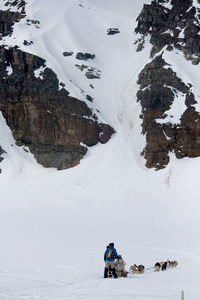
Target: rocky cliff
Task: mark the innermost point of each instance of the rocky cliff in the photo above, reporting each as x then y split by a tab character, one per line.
57	128
169	29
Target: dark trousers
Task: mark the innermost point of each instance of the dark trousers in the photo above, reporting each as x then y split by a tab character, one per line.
106	273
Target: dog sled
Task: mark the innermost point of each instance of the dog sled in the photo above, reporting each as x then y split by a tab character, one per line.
120	267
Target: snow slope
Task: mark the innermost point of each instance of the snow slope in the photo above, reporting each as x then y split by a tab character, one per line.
55	225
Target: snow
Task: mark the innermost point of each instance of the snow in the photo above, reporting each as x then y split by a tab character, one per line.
173	115
55	225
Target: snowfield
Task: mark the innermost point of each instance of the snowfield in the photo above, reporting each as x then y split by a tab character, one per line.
55	225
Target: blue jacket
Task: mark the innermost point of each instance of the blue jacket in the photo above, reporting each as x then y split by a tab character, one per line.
114	252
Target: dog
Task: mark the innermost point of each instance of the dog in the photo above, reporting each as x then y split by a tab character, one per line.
157	267
133	269
164	266
140	269
168	263
173	263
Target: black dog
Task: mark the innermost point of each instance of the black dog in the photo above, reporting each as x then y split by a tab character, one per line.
164	266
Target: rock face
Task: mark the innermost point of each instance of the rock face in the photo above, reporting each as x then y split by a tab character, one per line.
47	120
57	128
8	18
160	87
176	27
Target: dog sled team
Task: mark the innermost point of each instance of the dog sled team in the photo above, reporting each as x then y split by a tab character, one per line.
164	265
115	265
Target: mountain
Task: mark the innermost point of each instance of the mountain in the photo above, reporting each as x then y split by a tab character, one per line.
58	128
106	92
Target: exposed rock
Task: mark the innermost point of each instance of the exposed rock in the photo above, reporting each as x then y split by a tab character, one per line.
190	99
65	53
26	43
60	157
106	132
81	67
158	81
160	85
152	19
84	56
36	23
90	72
89	98
156	19
47	120
187	135
7	20
140	47
112	31
93	73
20	4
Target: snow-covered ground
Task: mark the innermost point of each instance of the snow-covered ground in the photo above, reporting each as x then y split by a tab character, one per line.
55	225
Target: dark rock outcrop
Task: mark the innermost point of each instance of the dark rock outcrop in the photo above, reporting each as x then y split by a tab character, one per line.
8	18
112	31
66	53
160	85
84	56
56	127
177	27
90	72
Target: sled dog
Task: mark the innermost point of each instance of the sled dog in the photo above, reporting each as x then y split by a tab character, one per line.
173	263
133	269
157	267
164	266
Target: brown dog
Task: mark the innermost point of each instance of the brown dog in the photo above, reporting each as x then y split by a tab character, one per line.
133	269
173	263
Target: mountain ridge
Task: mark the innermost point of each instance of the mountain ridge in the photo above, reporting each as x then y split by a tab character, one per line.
168	27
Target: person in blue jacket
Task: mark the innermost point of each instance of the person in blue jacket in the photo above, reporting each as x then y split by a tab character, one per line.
109	256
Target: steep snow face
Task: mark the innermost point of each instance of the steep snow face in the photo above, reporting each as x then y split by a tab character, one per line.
55	225
126	8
